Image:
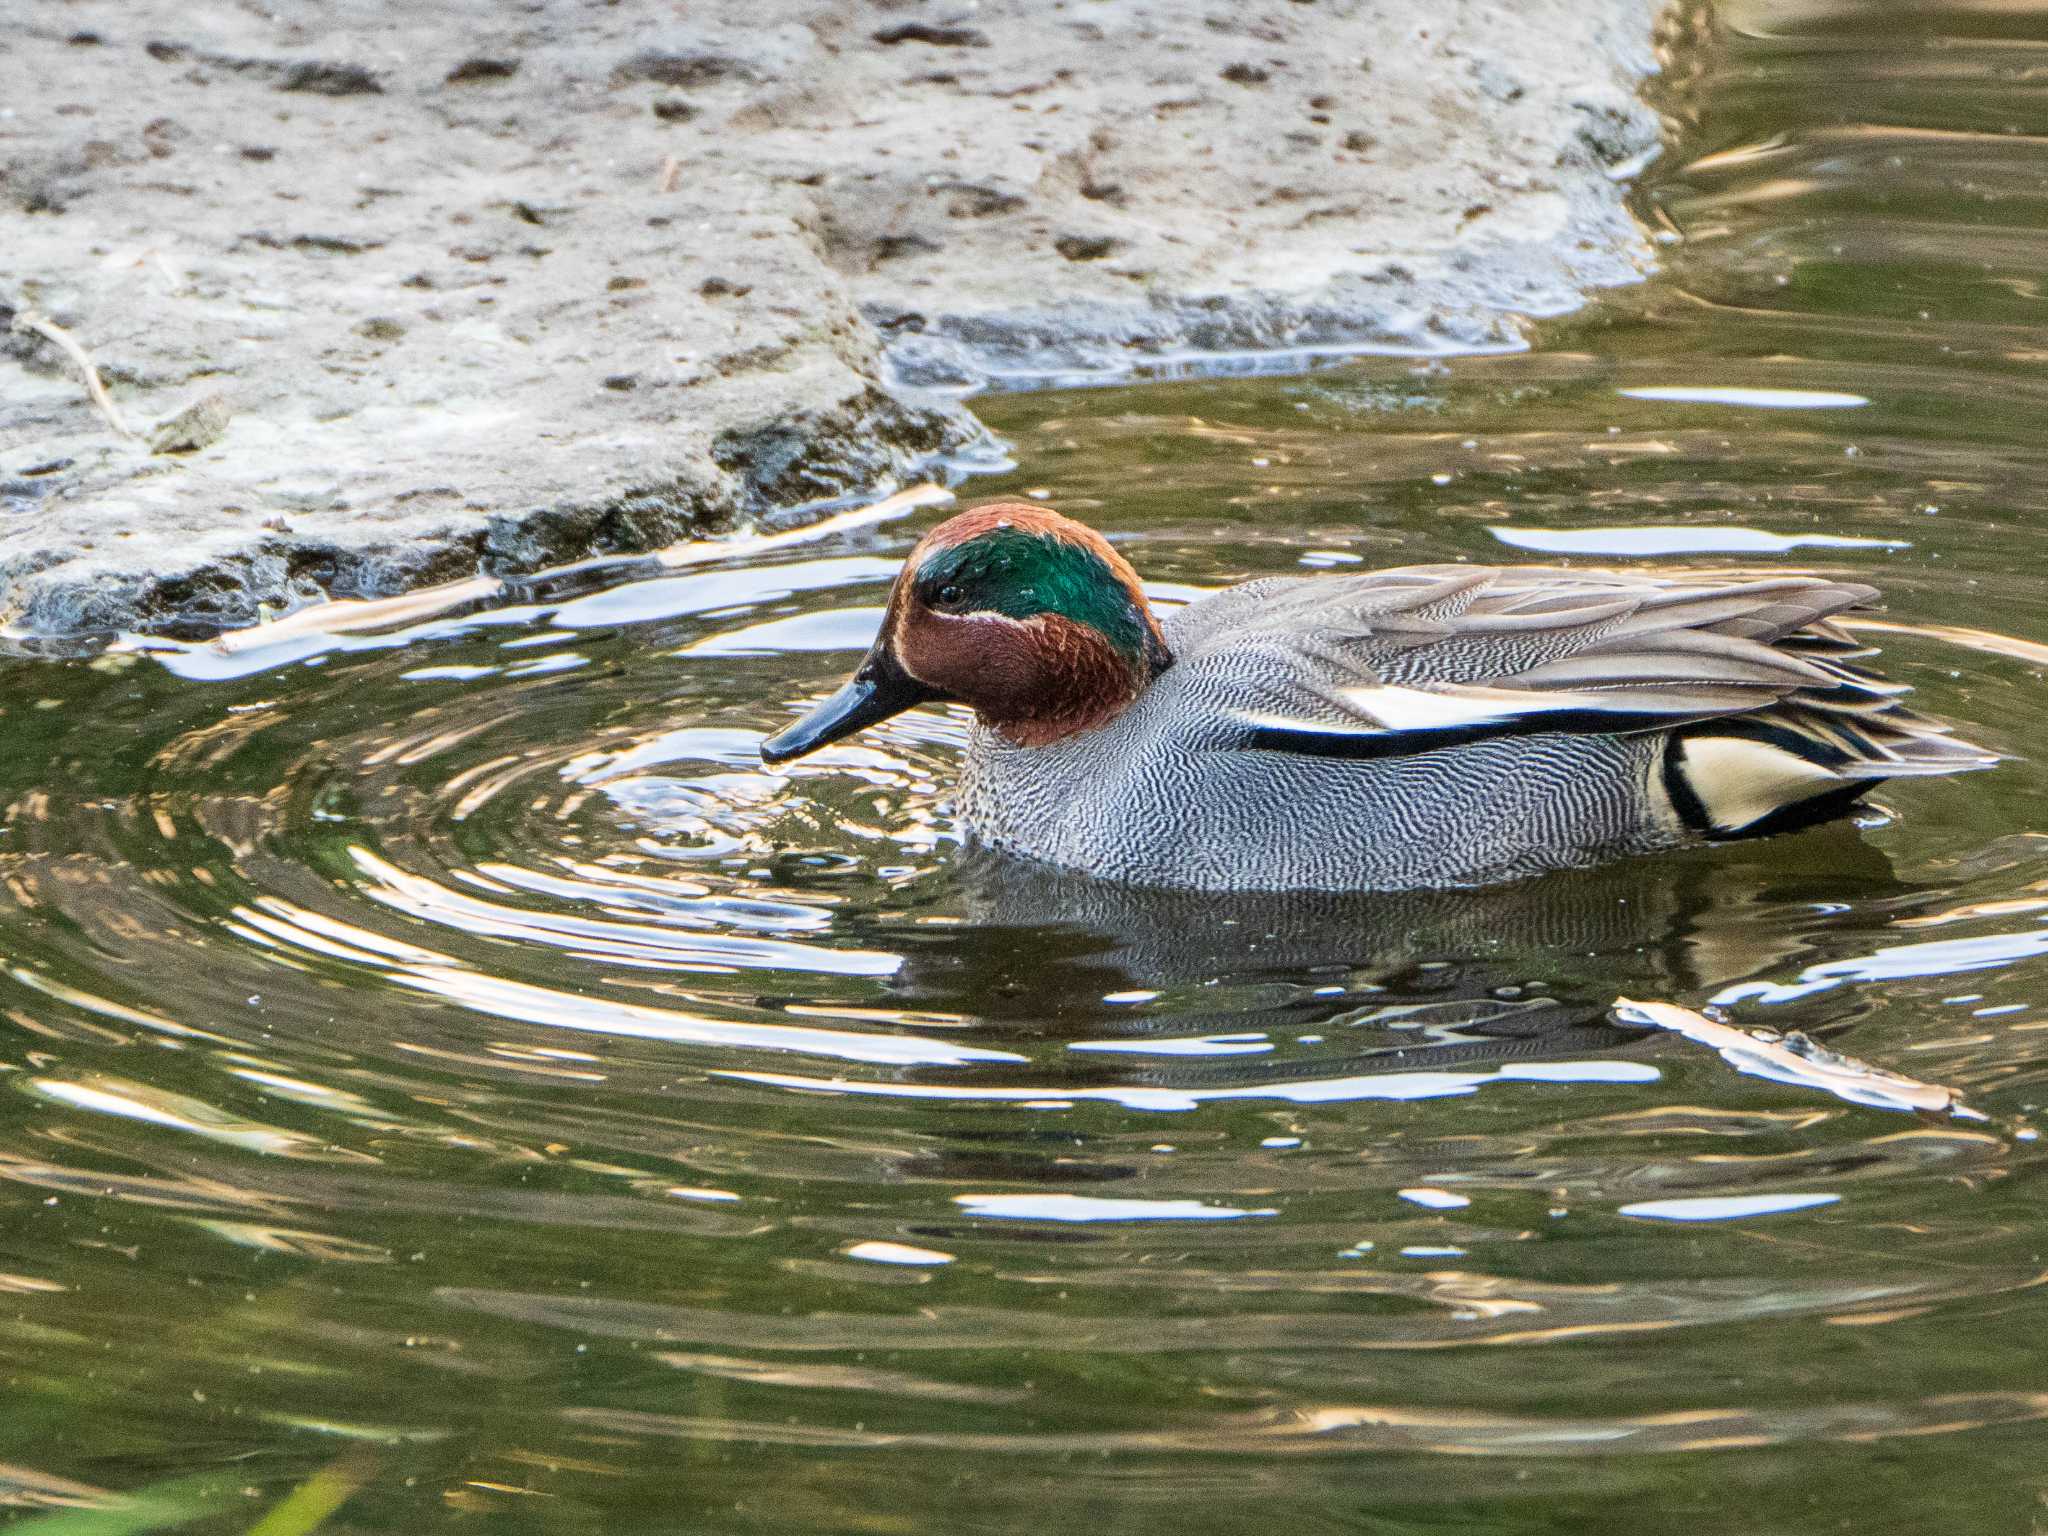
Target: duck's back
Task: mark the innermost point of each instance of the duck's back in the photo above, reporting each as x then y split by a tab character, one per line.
1454	725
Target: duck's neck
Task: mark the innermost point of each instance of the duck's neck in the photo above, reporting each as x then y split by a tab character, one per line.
1077	680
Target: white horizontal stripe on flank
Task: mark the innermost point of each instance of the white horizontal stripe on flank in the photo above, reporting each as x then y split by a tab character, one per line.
1422	709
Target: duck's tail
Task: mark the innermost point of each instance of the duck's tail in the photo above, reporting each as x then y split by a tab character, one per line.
1809	755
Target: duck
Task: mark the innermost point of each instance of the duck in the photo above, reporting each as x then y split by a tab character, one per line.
1426	726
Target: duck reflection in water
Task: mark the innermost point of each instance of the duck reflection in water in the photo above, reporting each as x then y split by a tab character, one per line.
1417	979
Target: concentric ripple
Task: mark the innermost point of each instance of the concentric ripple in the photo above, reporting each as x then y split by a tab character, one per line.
469	1002
448	1049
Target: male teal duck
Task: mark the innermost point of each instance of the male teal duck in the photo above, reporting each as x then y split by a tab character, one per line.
1426	726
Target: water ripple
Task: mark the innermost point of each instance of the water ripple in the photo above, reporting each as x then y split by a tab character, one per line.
433	1033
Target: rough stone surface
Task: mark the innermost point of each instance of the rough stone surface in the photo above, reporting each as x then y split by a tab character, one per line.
512	284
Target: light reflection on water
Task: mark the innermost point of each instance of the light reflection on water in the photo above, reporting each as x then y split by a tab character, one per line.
453	1043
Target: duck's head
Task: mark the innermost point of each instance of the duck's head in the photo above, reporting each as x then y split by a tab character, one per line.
1027	616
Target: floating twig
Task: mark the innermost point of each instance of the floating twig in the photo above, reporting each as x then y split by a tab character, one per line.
1957	634
1795	1059
349	614
696	551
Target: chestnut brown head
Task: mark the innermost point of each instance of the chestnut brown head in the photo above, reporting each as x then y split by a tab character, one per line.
1028	617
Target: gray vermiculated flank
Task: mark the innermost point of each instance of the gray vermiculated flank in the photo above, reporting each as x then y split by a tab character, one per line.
1179	791
1220	820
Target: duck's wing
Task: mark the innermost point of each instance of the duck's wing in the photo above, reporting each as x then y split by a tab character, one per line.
1762	687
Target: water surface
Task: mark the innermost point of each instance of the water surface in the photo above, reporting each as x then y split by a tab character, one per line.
452	1059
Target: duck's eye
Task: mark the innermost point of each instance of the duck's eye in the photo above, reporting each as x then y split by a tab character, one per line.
950	596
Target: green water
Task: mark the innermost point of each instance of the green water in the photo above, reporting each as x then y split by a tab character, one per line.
450	1061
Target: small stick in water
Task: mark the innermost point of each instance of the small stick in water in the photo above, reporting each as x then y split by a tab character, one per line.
1797	1060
